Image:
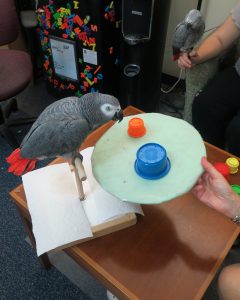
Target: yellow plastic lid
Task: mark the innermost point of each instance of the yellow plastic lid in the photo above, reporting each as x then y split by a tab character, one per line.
232	162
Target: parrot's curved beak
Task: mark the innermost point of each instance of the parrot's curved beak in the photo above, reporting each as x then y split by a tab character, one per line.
118	116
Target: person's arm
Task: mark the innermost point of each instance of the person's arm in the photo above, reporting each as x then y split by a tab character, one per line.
213	190
221	39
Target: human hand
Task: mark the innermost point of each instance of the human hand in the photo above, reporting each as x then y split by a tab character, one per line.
187	60
213	190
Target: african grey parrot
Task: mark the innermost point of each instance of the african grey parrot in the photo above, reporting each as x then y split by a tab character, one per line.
187	33
61	128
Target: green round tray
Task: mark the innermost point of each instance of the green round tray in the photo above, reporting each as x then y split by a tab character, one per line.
114	156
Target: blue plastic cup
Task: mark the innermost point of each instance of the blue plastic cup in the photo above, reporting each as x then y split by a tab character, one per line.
152	161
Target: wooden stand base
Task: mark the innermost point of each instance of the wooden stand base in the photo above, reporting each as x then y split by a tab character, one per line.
111	226
114	225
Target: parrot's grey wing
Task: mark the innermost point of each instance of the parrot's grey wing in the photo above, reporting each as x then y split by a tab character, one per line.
180	36
57	111
190	42
178	25
202	28
60	109
55	138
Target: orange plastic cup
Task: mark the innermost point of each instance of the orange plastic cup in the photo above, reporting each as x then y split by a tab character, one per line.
136	127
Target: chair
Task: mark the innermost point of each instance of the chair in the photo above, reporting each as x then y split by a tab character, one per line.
15	71
29	23
199	75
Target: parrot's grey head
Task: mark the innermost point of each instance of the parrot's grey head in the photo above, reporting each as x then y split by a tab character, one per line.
110	107
193	19
100	108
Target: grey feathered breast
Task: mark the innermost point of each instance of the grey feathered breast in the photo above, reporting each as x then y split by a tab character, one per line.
194	36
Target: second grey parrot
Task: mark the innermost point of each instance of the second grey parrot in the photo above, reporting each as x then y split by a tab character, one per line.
188	33
62	127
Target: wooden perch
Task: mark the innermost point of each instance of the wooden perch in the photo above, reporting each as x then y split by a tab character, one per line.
80	176
80	168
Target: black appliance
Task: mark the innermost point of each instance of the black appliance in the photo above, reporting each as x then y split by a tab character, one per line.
144	26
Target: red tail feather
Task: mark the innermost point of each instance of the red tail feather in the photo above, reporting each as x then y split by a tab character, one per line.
19	165
14	156
31	165
176	56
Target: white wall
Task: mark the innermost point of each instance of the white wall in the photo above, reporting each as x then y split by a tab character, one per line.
214	13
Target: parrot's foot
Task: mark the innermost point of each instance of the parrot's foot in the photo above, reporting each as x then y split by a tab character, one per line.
79	183
80	168
76	155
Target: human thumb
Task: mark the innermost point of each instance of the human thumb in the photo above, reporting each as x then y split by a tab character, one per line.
210	169
193	54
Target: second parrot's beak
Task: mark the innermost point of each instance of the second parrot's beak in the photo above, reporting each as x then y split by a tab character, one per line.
118	115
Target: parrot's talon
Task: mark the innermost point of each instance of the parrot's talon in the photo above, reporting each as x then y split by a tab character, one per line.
76	155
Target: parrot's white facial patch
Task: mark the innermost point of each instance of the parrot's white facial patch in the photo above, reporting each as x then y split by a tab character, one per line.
109	110
193	17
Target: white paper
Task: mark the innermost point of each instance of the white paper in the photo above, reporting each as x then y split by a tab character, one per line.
57	214
64	59
90	56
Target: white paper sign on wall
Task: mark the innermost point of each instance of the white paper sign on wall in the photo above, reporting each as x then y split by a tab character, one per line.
64	58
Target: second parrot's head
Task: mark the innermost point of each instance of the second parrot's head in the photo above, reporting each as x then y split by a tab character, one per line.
193	19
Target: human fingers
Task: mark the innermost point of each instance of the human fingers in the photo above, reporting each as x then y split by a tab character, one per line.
199	191
184	62
194	57
210	169
205	178
200	180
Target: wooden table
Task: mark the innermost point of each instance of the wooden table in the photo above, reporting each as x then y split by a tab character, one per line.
173	252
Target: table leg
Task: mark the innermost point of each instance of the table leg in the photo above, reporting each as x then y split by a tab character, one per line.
43	259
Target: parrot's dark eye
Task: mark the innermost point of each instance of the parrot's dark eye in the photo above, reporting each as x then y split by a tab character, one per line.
108	108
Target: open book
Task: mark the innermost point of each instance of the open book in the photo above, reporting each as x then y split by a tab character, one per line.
59	218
